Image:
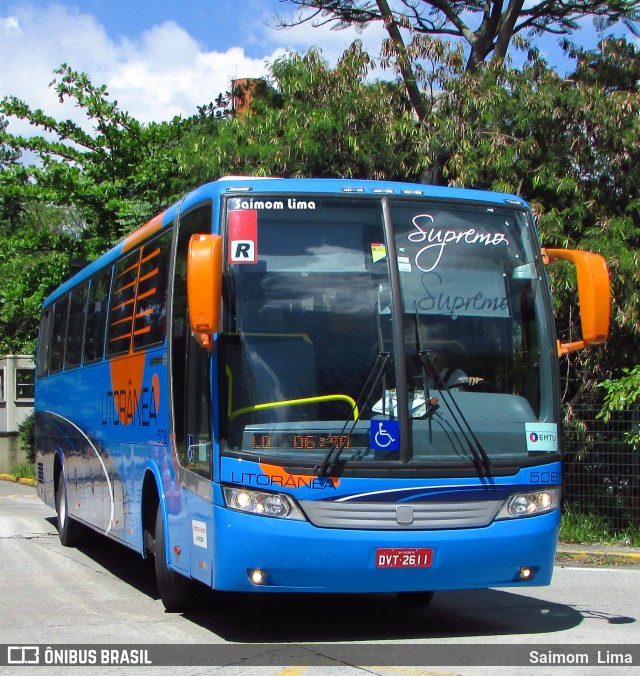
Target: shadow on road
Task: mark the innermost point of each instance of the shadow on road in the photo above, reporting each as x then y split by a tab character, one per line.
370	617
276	618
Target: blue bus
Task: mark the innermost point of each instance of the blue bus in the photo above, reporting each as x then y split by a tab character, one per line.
315	385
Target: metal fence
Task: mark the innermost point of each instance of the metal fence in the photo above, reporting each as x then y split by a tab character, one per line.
602	468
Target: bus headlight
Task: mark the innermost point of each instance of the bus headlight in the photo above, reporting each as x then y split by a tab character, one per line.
530	504
262	503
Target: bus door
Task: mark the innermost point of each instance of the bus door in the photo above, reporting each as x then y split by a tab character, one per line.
192	415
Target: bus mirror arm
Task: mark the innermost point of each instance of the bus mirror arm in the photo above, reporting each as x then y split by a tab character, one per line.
204	284
594	296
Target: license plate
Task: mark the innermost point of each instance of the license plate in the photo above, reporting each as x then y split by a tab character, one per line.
404	558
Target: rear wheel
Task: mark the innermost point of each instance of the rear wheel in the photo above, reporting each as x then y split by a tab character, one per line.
69	530
176	591
415	599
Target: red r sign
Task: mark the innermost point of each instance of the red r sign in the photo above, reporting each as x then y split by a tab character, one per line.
242	238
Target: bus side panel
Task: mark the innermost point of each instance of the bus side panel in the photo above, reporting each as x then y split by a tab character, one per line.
105	437
44	458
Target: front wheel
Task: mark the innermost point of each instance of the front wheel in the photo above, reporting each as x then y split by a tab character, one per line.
69	530
176	591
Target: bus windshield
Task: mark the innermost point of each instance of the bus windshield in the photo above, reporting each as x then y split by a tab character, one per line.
395	329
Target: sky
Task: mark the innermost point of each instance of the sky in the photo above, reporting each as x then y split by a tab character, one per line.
159	58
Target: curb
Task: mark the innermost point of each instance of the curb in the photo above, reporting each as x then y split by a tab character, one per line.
597	555
10	477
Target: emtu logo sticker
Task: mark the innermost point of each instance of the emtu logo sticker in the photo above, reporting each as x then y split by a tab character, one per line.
542	437
242	238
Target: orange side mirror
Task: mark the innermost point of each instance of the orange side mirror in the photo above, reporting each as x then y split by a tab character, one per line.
594	295
204	284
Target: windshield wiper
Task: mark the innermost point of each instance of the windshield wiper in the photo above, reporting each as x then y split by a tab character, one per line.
371	382
481	460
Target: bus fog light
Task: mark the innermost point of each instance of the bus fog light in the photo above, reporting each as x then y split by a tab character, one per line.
278	505
525	573
530	504
257	576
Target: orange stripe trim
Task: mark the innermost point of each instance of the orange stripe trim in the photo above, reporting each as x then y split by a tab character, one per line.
129	269
153	273
123	304
147	229
123	288
153	254
122	337
146	294
122	321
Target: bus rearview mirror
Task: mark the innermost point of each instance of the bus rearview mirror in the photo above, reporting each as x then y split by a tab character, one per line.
204	283
594	295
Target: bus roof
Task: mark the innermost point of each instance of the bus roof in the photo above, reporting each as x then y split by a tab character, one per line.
238	185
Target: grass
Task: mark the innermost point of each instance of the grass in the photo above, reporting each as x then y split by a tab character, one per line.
25	470
580	528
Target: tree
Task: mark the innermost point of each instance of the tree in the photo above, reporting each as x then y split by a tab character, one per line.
486	26
34	258
84	191
615	65
311	120
118	174
571	147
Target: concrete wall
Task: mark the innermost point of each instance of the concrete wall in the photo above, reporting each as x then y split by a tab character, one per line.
16	391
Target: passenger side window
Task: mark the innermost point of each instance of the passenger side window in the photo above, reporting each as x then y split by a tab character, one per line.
59	331
150	321
96	317
123	298
75	327
44	342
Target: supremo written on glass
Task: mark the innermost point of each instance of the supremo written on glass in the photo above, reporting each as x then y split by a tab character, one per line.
309	353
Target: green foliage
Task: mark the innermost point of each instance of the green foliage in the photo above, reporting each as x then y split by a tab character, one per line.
83	192
27	437
34	259
623	394
587	528
311	120
25	470
99	172
488	38
569	146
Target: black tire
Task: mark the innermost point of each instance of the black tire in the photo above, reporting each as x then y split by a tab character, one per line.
415	599
176	591
70	531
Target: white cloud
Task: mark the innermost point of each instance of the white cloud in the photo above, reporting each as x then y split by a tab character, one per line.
162	73
166	73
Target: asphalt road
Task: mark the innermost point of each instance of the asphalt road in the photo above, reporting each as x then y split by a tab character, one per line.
104	595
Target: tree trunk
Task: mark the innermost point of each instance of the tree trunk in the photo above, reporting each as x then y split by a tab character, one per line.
404	63
505	30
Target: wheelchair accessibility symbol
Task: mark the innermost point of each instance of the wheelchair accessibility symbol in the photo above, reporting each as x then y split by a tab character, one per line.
385	435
